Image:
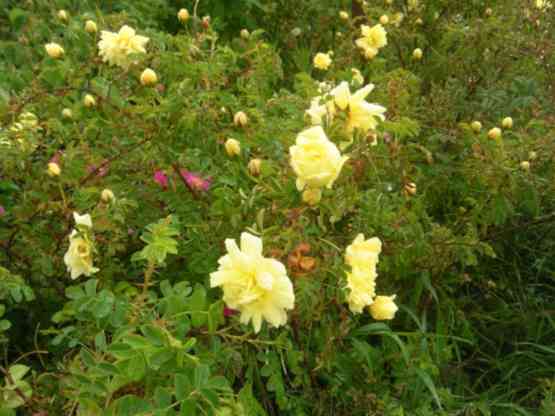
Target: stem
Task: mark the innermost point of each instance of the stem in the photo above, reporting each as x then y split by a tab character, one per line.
148	274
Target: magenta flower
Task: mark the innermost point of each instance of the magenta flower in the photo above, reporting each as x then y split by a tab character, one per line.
229	312
101	170
161	178
194	181
2	211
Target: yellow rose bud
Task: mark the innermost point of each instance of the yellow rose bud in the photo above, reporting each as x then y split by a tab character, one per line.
240	119
148	77
54	169
245	34
532	155
343	15
494	133
62	15
54	50
312	196
89	101
67	113
322	61
419	21
507	123
183	15
488	12
525	165
232	147
254	167
90	26
107	195
410	188
384	20
383	308
417	54
476	126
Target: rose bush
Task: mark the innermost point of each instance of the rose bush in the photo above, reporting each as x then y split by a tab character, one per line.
140	140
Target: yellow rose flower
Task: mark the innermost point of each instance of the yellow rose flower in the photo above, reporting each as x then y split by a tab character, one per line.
543	5
322	61
89	101
417	54
494	133
78	257
343	15
316	161
90	26
84	219
183	15
383	308
62	15
257	286
107	196
240	119
67	113
54	169
115	48
362	288
476	126
254	167
233	147
54	50
148	77
384	20
317	112
507	123
373	39
363	253
525	165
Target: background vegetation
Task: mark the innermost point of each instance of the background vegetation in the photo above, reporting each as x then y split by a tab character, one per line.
469	254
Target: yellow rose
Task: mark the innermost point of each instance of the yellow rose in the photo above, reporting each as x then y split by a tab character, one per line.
232	147
343	15
373	39
78	257
525	165
254	167
240	119
107	195
67	113
183	15
316	161
54	50
476	126
148	77
62	15
384	20
383	308
54	169
322	61
417	54
361	283
494	133
115	48
363	253
89	101
84	219
244	34
90	26
507	123
257	286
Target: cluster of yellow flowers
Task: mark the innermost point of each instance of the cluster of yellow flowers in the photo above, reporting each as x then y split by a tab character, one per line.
363	256
117	48
373	39
257	286
78	258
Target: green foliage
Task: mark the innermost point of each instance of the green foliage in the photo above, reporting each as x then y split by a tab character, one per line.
467	230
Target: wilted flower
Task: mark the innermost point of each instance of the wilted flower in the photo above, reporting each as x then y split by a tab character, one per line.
232	147
148	77
115	48
183	15
54	50
90	26
316	161
257	286
322	61
383	308
507	123
54	169
78	257
194	181
161	178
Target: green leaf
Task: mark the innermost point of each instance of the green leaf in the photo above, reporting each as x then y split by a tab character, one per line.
197	304
154	334
18	371
183	386
130	406
427	380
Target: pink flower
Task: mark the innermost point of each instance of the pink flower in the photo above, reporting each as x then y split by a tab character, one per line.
194	181
101	171
2	211
56	157
161	178
229	312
